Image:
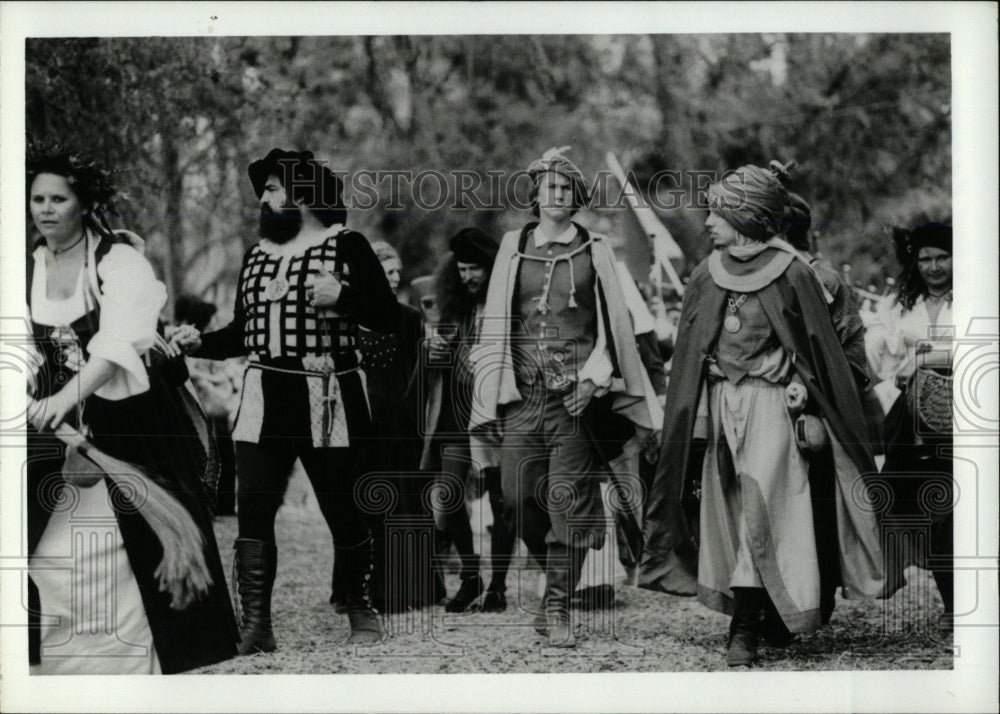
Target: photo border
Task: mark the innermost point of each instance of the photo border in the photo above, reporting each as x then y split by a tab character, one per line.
973	683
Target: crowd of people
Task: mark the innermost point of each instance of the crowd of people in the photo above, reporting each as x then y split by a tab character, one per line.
736	432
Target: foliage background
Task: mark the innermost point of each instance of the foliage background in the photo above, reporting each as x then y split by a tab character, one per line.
866	117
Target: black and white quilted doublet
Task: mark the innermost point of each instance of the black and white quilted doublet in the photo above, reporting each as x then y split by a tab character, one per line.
303	331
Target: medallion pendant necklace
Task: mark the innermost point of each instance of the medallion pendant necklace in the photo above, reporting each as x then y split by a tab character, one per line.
277	287
732	322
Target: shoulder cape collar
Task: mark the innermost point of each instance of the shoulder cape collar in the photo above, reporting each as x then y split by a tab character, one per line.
747	276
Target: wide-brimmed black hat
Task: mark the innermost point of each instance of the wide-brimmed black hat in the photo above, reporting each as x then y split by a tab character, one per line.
471	245
310	181
931	235
909	241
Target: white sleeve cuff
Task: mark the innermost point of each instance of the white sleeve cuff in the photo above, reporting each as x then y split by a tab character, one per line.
598	367
124	355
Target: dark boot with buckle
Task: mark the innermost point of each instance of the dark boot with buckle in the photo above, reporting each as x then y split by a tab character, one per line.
562	573
495	600
744	630
359	566
256	566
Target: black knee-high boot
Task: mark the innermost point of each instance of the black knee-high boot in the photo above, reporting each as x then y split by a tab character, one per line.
562	573
501	546
539	553
338	585
359	566
744	630
256	567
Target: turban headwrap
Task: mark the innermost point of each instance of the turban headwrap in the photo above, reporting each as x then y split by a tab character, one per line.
931	235
751	200
555	160
797	218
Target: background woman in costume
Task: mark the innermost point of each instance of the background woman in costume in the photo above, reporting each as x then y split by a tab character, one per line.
760	375
93	303
402	580
913	365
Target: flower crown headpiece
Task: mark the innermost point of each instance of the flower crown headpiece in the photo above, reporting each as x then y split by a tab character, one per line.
90	180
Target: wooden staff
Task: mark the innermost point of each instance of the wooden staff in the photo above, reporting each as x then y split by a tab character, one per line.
663	243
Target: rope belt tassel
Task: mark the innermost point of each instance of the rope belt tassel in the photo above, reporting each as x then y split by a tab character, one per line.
543	300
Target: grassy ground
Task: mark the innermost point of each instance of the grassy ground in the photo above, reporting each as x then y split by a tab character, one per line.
645	632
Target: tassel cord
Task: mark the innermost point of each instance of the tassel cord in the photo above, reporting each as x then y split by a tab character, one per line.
543	300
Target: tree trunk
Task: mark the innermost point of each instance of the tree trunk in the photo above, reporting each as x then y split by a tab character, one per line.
174	196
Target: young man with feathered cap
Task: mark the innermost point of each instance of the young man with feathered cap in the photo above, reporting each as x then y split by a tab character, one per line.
303	291
759	374
556	366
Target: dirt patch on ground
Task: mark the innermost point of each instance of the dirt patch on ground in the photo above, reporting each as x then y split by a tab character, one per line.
645	632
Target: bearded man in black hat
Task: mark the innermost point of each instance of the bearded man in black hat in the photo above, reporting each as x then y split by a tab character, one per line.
303	291
461	286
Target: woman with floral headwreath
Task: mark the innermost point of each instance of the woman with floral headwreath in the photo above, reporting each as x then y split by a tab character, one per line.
93	304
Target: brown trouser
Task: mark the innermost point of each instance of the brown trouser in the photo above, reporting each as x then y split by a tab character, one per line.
549	469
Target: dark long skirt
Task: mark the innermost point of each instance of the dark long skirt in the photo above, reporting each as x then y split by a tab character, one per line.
151	431
919	527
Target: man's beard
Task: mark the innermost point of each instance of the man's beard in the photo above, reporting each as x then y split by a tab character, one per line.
478	293
280	226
